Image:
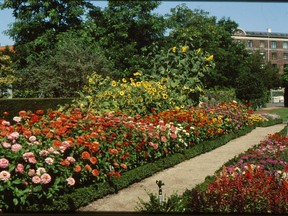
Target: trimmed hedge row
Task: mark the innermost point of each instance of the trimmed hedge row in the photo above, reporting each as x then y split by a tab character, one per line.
13	106
84	196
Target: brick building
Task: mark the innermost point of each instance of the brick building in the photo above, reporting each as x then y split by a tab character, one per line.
273	46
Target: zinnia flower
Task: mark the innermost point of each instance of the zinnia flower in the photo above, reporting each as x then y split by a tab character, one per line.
93	160
36	179
20	168
77	168
16	147
49	160
17	119
70	181
4	163
6	145
95	172
85	155
4	175
45	178
40	171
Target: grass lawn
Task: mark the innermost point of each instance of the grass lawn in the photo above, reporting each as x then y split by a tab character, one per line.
283	112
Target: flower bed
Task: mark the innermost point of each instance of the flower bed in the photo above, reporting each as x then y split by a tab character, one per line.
45	156
254	182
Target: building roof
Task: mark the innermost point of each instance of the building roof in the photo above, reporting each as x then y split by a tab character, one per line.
10	47
260	34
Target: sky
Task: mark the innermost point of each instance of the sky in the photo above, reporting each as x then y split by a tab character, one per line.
250	16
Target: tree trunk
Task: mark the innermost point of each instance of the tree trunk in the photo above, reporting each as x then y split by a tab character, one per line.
286	96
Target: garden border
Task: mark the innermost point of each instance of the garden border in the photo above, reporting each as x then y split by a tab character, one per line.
84	196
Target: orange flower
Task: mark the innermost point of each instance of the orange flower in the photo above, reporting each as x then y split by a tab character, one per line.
124	166
77	168
22	113
95	172
113	151
88	167
93	160
115	164
65	162
85	155
40	112
57	143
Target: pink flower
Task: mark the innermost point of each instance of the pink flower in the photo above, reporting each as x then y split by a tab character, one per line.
4	163
31	172
30	157
6	145
163	139
5	123
45	178
17	119
36	179
71	159
4	175
70	181
49	160
13	136
16	147
32	138
173	135
40	171
20	168
44	153
163	127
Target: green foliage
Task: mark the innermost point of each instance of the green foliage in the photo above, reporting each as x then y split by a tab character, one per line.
218	95
126	30
175	82
255	81
62	71
38	23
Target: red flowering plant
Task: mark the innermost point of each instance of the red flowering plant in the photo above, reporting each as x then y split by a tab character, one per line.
257	183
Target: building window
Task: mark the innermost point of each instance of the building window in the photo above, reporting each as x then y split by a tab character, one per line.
250	44
285	56
285	45
273	44
262	44
274	55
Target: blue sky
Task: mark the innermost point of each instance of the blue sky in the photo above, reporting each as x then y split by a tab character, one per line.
255	16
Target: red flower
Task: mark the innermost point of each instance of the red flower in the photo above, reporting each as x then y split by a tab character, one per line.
65	162
22	113
123	166
88	167
95	172
85	155
39	112
77	168
93	160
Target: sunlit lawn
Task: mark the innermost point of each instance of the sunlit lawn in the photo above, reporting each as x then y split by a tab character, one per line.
283	112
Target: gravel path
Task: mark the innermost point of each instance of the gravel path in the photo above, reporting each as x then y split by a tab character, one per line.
184	175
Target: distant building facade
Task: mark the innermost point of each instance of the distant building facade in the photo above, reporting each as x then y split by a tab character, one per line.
272	46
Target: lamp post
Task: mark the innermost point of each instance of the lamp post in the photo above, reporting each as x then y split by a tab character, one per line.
268	54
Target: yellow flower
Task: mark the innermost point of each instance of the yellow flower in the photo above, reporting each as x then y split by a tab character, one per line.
138	84
210	58
198	51
124	80
90	80
137	74
184	49
165	96
114	83
177	108
174	49
121	93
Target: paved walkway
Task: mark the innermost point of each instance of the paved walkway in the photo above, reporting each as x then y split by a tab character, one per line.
185	175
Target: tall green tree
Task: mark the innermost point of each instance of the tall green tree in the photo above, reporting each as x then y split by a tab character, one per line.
37	23
127	30
197	29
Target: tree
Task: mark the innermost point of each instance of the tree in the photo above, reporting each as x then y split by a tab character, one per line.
126	30
62	71
197	29
39	22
